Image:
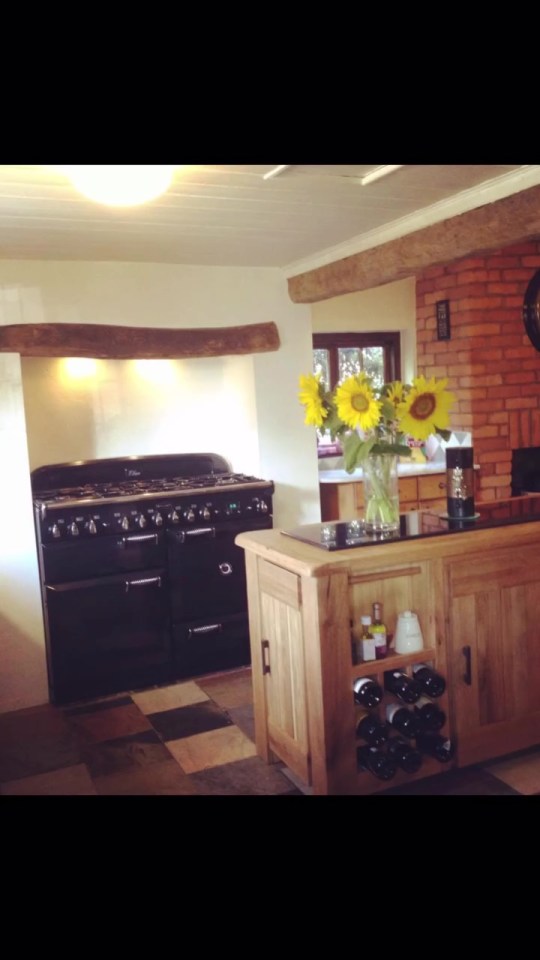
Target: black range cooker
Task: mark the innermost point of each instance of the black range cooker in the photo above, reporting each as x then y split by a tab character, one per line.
141	580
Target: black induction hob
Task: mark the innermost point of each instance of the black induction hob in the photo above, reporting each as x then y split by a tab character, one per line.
418	524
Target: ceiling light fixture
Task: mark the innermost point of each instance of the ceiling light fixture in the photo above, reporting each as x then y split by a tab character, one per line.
118	185
378	172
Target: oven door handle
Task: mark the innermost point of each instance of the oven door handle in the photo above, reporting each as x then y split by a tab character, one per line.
143	582
196	532
139	538
209	628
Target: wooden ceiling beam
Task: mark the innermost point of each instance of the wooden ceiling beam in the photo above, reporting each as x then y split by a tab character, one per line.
140	343
514	219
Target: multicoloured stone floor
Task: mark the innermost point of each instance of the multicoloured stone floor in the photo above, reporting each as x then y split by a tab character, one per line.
192	738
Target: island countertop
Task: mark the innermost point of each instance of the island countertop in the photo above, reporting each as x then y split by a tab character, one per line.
311	549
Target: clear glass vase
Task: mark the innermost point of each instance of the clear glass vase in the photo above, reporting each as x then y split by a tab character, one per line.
381	493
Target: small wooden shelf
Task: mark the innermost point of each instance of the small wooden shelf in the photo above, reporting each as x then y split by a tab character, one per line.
393	662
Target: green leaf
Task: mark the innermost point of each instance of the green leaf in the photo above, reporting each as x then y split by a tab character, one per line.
395	448
351	446
388	411
443	434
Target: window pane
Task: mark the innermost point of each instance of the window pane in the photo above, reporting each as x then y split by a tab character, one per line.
373	364
349	362
354	360
321	364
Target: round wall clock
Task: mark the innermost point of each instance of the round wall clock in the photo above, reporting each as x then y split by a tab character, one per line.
531	310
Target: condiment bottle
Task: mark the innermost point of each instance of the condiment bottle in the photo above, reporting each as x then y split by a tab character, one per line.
367	641
378	630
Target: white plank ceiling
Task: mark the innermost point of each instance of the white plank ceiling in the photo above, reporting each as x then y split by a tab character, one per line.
229	215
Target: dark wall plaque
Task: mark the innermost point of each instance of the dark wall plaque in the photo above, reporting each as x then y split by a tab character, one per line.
443	319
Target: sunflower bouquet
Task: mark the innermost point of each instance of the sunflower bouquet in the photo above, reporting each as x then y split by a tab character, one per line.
376	420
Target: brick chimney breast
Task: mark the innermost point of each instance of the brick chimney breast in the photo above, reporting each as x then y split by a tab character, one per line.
491	365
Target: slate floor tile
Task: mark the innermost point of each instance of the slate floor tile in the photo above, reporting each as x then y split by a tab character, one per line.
34	741
211	749
188	721
109	721
249	777
468	782
244	718
520	772
169	698
164	778
111	756
69	781
229	690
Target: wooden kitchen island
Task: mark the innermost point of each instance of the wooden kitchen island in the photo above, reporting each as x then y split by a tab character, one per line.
475	587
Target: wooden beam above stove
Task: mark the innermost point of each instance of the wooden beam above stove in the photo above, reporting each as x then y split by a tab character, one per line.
103	341
512	220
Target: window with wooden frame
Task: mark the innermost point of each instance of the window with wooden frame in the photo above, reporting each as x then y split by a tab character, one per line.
337	356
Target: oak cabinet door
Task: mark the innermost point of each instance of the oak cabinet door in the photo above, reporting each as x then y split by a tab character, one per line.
494	605
283	667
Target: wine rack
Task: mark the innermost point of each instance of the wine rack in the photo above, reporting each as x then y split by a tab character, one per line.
367	782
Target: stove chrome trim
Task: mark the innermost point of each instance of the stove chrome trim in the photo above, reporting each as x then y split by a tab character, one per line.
159	496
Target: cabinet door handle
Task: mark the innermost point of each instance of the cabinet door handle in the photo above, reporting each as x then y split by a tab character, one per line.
467	676
265	644
442	485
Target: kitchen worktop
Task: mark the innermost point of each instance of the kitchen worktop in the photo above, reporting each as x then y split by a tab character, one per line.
404	470
311	547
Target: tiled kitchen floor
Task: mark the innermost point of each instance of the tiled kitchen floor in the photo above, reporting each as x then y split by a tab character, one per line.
192	738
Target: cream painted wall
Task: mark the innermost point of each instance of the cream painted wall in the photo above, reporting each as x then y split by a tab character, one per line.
116	413
105	408
390	307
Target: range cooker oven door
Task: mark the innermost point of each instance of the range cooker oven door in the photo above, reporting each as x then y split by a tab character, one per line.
208	645
207	571
209	598
99	556
107	635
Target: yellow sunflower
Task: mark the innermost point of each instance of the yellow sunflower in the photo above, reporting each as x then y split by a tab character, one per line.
356	404
310	396
395	393
426	408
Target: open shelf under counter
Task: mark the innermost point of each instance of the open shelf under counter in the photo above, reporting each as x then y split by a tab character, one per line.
395	661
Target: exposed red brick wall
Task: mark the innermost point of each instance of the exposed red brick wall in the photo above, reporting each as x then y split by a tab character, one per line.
491	365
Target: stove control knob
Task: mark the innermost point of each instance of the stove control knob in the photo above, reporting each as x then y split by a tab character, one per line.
55	531
142	521
158	520
91	528
261	506
205	513
189	515
73	530
124	523
173	517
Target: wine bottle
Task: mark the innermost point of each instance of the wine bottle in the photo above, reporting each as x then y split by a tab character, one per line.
374	760
367	692
372	730
435	745
406	688
406	757
378	630
402	719
433	685
431	716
